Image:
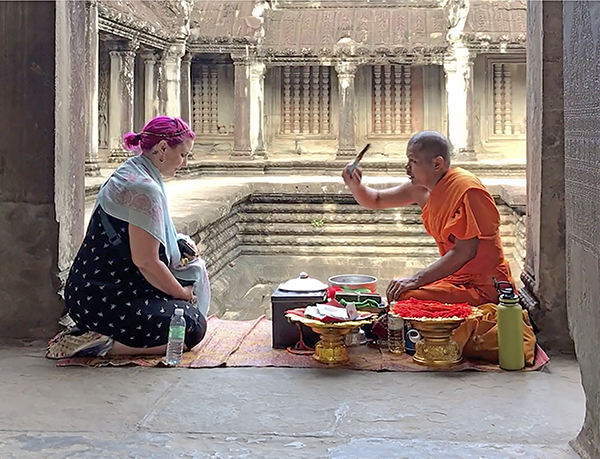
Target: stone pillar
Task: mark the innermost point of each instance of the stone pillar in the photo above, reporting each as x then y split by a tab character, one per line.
579	25
241	106
257	104
458	67
346	126
172	79
120	106
150	90
92	169
161	85
43	122
544	274
186	88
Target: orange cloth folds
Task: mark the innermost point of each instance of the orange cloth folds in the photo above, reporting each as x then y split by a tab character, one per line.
460	207
478	338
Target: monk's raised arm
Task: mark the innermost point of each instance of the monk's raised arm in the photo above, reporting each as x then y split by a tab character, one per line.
398	196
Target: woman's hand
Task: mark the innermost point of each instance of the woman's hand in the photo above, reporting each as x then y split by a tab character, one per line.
188	294
398	286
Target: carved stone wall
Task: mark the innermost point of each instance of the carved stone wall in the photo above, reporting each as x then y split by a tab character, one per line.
300	109
306	100
581	29
401	45
212	107
499	107
391	100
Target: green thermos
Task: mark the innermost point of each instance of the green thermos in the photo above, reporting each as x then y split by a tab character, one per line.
510	331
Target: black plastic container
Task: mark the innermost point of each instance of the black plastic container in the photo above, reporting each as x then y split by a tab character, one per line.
295	293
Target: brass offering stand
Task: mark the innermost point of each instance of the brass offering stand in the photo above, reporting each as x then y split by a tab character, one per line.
331	349
436	348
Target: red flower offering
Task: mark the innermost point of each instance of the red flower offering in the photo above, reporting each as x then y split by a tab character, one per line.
425	309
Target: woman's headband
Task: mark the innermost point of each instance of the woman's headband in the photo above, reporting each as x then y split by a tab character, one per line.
172	134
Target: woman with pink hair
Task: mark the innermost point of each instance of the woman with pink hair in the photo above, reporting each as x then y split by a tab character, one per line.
131	272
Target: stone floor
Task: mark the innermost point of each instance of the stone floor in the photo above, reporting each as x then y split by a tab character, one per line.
163	413
50	412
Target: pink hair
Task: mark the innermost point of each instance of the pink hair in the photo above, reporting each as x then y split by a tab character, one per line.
173	130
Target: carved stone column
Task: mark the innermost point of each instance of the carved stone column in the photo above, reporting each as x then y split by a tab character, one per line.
171	74
186	88
150	89
92	169
120	107
579	23
458	67
257	100
544	275
346	71
241	106
42	192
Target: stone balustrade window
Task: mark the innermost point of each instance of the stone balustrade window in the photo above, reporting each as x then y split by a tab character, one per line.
508	98
305	99
391	99
206	100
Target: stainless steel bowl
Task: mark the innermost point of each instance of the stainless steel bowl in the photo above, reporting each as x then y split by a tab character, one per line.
354	281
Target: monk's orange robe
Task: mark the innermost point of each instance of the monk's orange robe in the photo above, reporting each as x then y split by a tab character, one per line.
460	207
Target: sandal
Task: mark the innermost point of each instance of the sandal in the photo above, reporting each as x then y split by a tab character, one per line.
65	345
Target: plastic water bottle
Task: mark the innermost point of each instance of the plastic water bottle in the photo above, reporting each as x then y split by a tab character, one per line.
510	331
176	338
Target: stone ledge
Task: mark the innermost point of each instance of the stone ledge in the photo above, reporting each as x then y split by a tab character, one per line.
333	167
514	196
197	202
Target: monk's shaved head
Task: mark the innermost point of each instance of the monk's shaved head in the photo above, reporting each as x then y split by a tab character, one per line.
431	144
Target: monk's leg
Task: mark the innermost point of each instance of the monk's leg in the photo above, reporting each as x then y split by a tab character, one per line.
446	292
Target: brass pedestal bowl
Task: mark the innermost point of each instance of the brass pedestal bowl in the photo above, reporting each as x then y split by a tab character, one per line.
331	349
436	348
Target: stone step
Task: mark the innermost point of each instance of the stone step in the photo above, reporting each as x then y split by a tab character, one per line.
335	216
303	208
318	219
288	207
324	226
342	197
325	229
344	239
428	254
343	229
340	240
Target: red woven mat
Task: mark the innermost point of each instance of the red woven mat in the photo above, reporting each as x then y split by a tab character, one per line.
248	344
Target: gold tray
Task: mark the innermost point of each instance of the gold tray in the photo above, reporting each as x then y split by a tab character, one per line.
331	349
368	318
444	320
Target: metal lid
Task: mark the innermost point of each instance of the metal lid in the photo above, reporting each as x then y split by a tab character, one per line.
303	283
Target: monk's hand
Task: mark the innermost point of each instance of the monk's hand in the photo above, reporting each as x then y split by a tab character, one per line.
398	286
351	179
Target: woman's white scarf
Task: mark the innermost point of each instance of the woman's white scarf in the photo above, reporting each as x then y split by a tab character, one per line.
136	194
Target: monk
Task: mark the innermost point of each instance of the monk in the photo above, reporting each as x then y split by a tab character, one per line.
458	212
